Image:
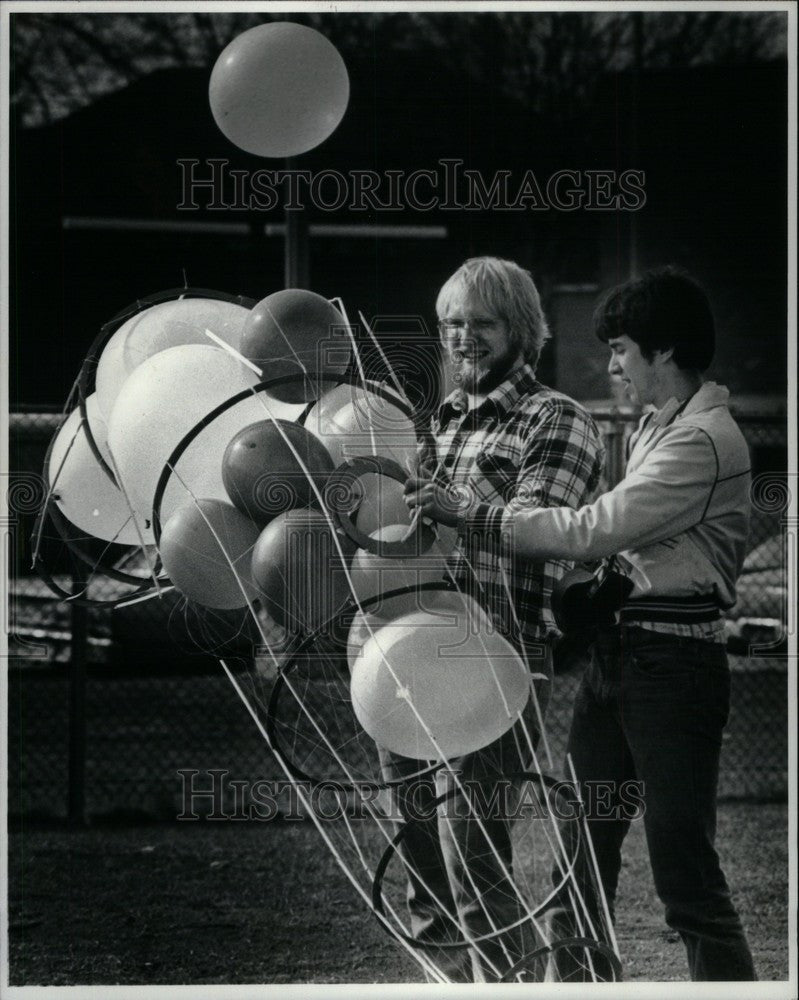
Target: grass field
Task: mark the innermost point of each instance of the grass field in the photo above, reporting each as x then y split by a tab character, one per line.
255	902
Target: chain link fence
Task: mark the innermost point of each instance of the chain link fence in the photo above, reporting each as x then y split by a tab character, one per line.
117	713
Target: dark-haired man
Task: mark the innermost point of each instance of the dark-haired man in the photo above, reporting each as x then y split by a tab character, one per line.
654	701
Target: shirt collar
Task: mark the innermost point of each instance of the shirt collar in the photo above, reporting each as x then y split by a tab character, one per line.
502	399
708	395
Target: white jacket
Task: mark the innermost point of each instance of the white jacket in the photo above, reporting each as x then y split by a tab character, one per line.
678	520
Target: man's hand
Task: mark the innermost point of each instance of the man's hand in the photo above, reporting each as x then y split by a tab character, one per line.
445	504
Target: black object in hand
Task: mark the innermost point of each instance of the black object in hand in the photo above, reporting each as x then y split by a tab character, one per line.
583	602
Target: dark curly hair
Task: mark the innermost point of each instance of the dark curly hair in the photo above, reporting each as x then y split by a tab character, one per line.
665	308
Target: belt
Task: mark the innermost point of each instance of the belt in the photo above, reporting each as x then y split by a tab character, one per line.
688	610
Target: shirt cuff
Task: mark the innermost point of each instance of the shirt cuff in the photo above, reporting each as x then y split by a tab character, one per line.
483	521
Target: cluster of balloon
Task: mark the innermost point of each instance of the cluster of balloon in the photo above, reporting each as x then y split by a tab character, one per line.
159	403
295	332
279	89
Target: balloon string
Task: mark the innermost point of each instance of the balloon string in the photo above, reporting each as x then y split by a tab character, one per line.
418	512
145	597
418	956
234	353
473	941
366	800
287	341
400	689
388	365
479	896
361	372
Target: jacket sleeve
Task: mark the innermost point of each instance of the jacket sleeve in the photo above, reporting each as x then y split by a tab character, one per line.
668	493
562	460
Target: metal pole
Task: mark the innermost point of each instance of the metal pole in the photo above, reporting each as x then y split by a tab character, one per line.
638	46
296	250
77	706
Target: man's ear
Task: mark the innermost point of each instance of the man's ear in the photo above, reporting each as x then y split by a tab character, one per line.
661	357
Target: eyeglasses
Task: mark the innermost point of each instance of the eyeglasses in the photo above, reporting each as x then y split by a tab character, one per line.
452	327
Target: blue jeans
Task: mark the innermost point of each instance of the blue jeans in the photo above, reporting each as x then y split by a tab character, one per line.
456	878
651	708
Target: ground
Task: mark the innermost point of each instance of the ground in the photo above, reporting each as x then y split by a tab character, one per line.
256	902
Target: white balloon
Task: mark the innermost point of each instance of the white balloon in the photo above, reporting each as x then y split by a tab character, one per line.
424	690
82	489
164	398
279	89
373	574
168	324
450	606
364	425
383	504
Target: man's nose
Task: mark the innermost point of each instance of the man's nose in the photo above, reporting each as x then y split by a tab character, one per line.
614	368
466	341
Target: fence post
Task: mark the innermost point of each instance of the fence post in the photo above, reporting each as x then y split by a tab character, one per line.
77	705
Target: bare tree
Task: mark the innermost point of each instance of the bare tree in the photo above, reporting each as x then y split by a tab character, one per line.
63	61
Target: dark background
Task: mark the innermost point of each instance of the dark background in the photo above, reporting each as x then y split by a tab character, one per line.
699	105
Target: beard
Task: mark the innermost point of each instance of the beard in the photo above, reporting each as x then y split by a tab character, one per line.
485	377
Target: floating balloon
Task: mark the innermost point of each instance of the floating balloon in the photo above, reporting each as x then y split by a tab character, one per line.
375	574
450	606
262	474
297	332
164	398
279	89
366	425
82	489
298	570
168	324
206	549
467	690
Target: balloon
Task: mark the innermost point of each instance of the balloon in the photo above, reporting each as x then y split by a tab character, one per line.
198	544
298	569
279	89
82	489
366	425
451	606
374	574
383	504
296	332
168	324
468	690
159	403
263	477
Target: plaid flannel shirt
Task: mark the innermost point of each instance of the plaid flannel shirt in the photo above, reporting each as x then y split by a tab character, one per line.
525	444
